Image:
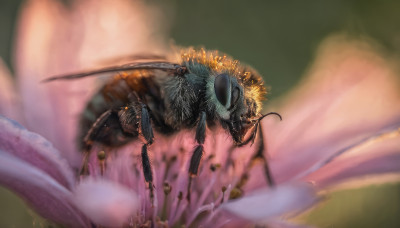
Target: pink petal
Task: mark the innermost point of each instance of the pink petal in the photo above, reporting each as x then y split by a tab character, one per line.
106	203
34	150
49	198
381	156
350	93
9	100
49	110
267	204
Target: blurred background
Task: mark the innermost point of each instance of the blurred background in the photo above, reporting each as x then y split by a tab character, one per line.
279	39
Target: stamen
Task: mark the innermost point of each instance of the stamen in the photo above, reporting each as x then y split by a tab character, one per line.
243	179
229	160
211	156
180	208
206	191
198	212
167	190
214	167
161	223
235	193
101	156
147	224
223	189
188	196
85	169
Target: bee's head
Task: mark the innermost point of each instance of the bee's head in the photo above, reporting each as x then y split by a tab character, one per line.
237	105
234	91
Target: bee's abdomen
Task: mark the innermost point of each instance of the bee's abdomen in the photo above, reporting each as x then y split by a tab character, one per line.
118	94
113	96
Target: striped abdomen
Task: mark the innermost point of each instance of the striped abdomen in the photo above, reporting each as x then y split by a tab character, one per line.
116	94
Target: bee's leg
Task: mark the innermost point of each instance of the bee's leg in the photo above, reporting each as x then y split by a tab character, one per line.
198	151
260	155
147	132
91	136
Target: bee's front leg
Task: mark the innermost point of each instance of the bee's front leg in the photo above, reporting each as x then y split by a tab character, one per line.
198	151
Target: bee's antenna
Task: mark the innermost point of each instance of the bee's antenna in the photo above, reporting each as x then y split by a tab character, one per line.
264	115
270	113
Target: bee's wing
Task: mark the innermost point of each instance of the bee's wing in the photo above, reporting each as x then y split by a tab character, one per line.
156	65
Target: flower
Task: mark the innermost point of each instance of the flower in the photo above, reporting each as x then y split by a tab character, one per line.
342	122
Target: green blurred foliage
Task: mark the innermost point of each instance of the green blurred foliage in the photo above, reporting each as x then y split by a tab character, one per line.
373	206
278	38
15	214
8	13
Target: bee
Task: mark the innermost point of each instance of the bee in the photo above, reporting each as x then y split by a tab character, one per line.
203	89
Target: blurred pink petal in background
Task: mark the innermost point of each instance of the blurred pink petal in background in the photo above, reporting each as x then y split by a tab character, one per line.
351	93
54	39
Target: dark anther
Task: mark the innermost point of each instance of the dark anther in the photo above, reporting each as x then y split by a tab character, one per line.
173	158
101	155
214	167
243	180
235	193
85	167
223	189
167	188
180	195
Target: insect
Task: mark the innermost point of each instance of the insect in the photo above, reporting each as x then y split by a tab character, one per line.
203	89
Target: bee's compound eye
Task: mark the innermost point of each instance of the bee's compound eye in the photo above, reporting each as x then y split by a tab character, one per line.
222	87
235	96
